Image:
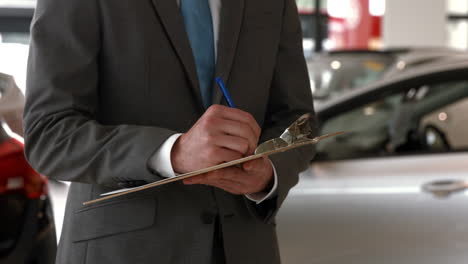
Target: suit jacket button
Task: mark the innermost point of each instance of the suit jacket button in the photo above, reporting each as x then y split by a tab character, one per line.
208	217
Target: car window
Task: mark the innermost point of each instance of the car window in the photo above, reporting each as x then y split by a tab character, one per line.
445	128
426	119
331	77
366	130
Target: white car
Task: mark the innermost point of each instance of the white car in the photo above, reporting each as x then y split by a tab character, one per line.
386	191
337	72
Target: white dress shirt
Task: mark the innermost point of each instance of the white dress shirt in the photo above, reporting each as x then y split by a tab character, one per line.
161	160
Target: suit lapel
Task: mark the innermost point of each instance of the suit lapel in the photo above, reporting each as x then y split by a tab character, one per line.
173	23
232	12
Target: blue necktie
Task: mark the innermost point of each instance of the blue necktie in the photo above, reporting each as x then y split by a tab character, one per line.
199	27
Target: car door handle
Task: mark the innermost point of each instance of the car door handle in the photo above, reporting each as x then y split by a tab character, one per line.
444	188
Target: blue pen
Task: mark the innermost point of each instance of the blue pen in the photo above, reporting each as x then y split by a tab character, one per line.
225	92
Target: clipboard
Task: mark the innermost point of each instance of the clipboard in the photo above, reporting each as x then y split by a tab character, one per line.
120	192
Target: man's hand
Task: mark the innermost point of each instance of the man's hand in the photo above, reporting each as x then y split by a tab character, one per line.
254	176
222	134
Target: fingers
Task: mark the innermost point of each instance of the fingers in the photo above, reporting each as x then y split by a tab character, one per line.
241	131
220	121
214	180
221	134
219	155
237	144
235	115
214	176
231	174
254	165
237	180
231	187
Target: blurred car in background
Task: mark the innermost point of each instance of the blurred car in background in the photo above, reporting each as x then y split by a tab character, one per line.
333	73
27	232
391	189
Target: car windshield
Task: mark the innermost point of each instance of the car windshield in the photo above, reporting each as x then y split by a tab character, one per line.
330	76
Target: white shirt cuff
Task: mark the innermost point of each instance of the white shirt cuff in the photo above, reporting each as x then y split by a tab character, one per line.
161	160
262	196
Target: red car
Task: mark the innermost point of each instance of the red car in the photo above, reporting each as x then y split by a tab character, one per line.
27	230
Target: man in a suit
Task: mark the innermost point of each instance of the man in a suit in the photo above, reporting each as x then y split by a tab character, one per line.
122	93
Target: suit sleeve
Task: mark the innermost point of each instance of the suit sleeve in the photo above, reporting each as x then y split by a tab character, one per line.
290	97
63	138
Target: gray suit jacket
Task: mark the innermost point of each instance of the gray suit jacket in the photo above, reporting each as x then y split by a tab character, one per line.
110	81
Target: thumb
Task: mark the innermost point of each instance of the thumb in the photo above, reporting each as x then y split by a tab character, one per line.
251	165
